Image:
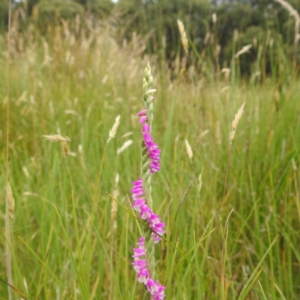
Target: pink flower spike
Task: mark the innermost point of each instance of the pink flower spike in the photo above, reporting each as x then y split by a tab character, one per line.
145	129
155	289
143	119
137	204
143	276
138	183
156	238
139	265
160	294
138	252
135	196
145	212
141	242
142	113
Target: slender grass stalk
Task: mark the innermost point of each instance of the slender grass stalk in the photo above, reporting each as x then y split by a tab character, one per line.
234	125
223	257
8	189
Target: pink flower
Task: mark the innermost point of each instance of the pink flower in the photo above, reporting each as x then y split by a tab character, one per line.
141	267
143	276
145	213
155	289
142	113
138	195
139	204
152	148
140	251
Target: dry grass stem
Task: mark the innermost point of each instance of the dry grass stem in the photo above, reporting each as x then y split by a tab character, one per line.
235	122
245	49
113	131
66	150
184	39
183	198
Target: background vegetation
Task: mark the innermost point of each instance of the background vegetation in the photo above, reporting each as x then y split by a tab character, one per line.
264	24
232	212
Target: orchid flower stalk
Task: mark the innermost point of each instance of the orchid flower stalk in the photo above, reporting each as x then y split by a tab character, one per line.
143	257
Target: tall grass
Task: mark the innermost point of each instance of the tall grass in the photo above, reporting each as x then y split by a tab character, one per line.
241	245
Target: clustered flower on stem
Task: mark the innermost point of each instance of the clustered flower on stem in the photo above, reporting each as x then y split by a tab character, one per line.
139	204
143	257
152	148
140	265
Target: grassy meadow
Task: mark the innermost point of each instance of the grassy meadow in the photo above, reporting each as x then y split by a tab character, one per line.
231	211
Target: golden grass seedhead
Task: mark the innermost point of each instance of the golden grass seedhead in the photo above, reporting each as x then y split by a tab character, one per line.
189	150
114	205
235	122
203	134
226	72
245	49
124	146
199	186
290	9
113	131
26	172
57	138
63	141
214	18
184	39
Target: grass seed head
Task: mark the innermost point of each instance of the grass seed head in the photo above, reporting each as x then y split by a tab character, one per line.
235	122
184	39
214	18
57	138
114	205
113	131
124	146
189	150
245	49
294	14
199	185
